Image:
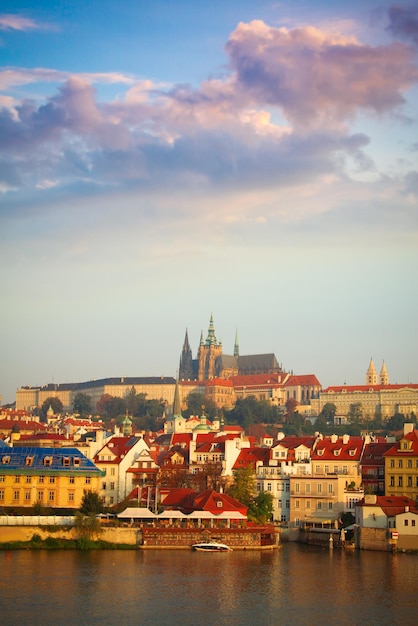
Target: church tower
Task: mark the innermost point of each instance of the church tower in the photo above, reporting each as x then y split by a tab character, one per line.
236	346
186	361
371	374
209	351
384	376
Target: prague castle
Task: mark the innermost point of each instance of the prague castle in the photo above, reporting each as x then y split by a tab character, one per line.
212	363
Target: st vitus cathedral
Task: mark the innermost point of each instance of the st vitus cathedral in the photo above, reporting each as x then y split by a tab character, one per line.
212	363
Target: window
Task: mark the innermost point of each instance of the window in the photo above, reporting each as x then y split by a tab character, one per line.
71	496
319	505
412	522
112	471
330	505
28	479
279	486
297	487
40	496
2	479
48	461
400	464
112	486
41	479
17	479
88	480
297	504
287	504
405	522
66	461
308	488
268	486
392	481
319	488
326	469
104	486
392	463
72	480
330	488
409	481
308	504
6	460
27	494
1	495
51	496
76	461
16	495
409	463
52	479
29	460
400	481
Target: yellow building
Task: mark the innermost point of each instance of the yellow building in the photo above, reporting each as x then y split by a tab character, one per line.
401	466
52	477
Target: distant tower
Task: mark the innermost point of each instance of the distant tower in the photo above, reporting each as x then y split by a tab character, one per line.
384	376
127	426
186	361
208	352
236	346
371	374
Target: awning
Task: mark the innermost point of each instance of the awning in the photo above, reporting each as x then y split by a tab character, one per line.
172	515
137	513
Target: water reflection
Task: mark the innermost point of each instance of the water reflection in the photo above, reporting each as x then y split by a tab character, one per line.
294	585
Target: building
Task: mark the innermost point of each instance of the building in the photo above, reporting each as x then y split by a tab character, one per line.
212	363
51	477
373	466
401	465
376	397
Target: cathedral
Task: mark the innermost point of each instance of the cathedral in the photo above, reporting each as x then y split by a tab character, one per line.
212	363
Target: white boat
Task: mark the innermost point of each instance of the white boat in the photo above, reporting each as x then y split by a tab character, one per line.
211	546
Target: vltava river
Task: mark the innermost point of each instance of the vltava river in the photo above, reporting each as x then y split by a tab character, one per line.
296	585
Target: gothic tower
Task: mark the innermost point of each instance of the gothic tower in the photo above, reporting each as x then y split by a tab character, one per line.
186	361
384	376
371	374
209	351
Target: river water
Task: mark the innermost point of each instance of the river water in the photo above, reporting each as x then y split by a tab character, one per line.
295	585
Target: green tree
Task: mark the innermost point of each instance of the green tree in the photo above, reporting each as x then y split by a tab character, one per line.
396	422
328	411
91	503
195	403
87	525
261	508
356	413
243	487
82	404
54	403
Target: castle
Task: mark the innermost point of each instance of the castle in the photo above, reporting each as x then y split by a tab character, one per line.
212	363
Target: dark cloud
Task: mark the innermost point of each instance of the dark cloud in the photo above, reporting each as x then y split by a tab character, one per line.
403	22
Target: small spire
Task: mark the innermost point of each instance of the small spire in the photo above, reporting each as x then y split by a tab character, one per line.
236	346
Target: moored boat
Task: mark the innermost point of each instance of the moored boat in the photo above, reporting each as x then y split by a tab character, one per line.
211	546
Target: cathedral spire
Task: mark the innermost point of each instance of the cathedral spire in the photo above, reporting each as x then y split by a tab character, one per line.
236	346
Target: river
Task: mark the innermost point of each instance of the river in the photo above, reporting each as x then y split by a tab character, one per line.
295	585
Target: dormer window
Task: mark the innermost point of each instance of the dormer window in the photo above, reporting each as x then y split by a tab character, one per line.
6	460
29	460
337	452
321	452
352	452
76	461
66	461
48	461
219	504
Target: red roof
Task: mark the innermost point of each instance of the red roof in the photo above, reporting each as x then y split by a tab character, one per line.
393	505
366	388
257	380
248	457
303	381
327	450
412	451
373	453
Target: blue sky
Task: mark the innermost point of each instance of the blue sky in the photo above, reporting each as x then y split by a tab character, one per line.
162	161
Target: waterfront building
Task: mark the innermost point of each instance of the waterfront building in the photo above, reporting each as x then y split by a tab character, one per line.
51	477
114	460
381	511
401	465
373	466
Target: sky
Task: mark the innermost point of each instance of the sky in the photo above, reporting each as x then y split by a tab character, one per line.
162	161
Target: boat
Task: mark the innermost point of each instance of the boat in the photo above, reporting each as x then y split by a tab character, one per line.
211	546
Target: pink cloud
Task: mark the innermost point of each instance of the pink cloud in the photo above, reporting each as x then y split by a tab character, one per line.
18	22
315	77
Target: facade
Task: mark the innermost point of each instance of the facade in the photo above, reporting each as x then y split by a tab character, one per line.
373	467
401	466
114	460
377	396
51	477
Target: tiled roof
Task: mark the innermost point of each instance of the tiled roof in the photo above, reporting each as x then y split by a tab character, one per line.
9	424
30	460
393	505
327	450
373	453
248	457
303	380
395	450
367	388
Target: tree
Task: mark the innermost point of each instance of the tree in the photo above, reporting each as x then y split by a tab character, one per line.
291	405
243	487
396	422
87	526
82	404
196	402
54	403
328	411
356	412
261	508
91	503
